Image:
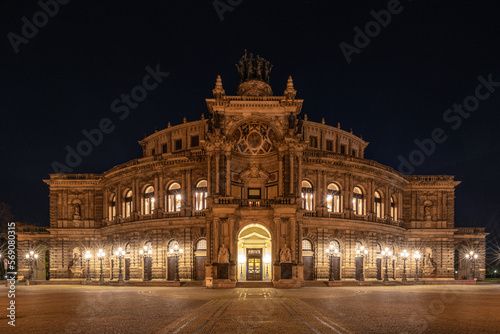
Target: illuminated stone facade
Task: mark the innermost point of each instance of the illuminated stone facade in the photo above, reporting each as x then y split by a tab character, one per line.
253	179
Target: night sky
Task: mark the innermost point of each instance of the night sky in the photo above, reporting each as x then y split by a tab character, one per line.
395	90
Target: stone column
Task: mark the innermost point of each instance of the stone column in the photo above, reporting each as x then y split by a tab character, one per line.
209	243
161	193
216	237
280	174
105	211
217	173
291	173
189	188
299	260
209	174
119	200
299	172
292	239
228	173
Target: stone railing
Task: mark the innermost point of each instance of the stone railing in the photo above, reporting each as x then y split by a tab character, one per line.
470	230
31	229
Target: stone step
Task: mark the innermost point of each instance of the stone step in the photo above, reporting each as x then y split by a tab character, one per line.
254	284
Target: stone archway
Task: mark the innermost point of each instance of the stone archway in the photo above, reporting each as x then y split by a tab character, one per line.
254	253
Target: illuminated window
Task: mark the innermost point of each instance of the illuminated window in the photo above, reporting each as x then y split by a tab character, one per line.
306	245
333	198
358	201
307	195
200	195
394	209
378	205
201	245
174	197
127	204
149	200
112	207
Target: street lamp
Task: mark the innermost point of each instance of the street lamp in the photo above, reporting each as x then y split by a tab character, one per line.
362	252
146	252
404	256
495	274
242	259
31	257
331	251
176	251
120	253
387	254
417	257
267	261
472	257
87	257
100	256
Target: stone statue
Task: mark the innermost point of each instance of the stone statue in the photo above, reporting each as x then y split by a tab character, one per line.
250	68
285	255
427	212
223	255
300	125
77	209
291	122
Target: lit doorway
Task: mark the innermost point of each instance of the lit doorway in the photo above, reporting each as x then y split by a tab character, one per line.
254	253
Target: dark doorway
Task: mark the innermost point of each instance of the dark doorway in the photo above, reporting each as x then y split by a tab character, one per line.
127	269
336	267
148	268
379	269
200	268
308	262
172	262
359	268
47	265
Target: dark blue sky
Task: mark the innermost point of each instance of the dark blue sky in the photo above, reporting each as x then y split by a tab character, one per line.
394	91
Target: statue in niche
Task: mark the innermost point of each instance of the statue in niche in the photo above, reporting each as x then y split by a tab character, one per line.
285	255
77	209
291	122
300	125
428	210
223	255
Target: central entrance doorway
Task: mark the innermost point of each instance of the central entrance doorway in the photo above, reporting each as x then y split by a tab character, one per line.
254	253
254	264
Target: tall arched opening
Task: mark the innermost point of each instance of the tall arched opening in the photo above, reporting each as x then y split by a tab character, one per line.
254	253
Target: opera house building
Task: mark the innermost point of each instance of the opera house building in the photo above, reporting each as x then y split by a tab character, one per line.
252	191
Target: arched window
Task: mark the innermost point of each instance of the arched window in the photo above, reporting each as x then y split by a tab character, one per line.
333	198
335	244
307	195
174	197
112	207
200	195
378	205
394	209
127	204
201	245
379	249
306	245
358	201
149	200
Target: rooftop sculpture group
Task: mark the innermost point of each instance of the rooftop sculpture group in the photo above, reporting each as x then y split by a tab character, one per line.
251	68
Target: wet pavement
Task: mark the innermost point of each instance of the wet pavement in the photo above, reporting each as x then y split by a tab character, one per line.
392	309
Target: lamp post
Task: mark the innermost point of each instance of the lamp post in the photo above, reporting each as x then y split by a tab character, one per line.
417	257
242	259
31	257
146	252
176	251
87	257
387	254
120	253
472	257
100	256
361	252
330	251
494	274
267	261
404	256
